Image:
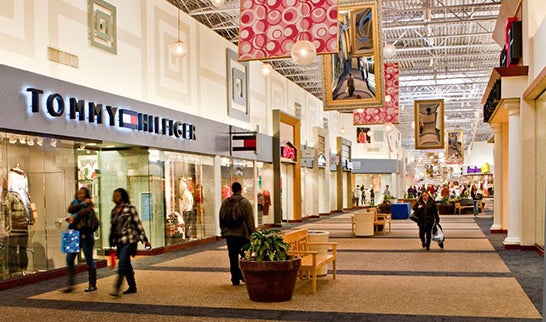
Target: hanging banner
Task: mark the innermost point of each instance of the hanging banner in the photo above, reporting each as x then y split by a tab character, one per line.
389	112
268	29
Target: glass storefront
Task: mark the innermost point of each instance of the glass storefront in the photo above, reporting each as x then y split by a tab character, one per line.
173	193
37	173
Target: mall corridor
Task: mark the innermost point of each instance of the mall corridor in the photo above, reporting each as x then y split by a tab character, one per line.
382	278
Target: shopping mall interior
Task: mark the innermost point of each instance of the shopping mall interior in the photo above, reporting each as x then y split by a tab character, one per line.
334	116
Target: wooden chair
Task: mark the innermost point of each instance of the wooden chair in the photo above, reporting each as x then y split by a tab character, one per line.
380	223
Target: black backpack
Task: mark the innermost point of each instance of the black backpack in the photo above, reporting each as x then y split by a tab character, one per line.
233	216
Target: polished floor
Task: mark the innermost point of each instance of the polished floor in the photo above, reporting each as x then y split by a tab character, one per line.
382	278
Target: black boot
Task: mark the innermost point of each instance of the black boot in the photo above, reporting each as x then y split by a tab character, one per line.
132	283
70	274
117	286
92	273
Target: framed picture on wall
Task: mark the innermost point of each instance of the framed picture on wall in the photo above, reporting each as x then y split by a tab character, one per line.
429	124
455	147
363	135
237	84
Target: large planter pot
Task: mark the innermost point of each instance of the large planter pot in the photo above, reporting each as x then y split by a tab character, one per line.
384	208
445	208
270	281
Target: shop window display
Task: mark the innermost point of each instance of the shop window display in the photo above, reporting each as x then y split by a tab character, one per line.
35	172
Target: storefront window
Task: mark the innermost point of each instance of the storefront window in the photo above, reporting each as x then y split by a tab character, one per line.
38	181
241	171
265	193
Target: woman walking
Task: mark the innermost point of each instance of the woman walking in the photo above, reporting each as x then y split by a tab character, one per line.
126	231
81	207
425	209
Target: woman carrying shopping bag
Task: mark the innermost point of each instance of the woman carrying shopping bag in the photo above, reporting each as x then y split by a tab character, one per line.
426	207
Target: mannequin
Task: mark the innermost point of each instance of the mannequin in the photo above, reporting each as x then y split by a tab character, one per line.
186	207
18	218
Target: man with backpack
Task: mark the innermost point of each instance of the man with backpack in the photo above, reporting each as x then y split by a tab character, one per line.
237	223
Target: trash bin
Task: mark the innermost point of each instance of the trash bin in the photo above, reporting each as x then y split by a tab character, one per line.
319	236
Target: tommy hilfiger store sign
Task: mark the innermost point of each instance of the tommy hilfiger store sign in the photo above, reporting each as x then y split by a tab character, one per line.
58	106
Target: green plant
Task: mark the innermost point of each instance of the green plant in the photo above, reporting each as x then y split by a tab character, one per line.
266	245
445	200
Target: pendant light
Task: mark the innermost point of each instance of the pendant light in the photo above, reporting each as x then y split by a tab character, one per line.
266	69
389	51
217	3
303	51
178	49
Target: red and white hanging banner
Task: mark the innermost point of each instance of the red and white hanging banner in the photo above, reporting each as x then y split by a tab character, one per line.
389	112
268	29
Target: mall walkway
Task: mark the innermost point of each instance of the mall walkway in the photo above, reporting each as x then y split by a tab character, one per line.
384	278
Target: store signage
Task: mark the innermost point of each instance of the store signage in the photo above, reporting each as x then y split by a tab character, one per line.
321	160
347	165
485	168
288	151
56	106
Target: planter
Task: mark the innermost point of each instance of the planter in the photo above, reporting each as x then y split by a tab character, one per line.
445	208
384	208
270	281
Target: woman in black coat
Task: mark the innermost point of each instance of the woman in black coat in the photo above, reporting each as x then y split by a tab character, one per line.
425	209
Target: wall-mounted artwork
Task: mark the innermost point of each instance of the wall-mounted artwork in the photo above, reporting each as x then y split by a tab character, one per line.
363	135
102	25
237	84
352	76
429	124
455	147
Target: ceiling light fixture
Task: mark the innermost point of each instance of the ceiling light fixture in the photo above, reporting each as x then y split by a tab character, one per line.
217	3
389	51
303	52
178	49
388	127
267	69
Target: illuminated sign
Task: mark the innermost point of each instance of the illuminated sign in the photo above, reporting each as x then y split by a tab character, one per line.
56	106
289	151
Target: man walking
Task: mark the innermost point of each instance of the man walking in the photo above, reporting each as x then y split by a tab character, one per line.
237	223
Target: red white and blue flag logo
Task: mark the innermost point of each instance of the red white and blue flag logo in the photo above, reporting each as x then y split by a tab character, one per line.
243	143
128	119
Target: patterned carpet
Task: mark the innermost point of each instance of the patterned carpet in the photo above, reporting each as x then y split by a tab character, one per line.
382	278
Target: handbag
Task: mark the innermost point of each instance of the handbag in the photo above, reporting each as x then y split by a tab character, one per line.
438	234
70	241
414	217
89	223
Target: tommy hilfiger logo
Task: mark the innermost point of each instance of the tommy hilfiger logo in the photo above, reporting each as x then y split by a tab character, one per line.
55	106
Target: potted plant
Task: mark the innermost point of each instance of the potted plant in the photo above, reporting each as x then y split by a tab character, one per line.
270	273
444	206
385	206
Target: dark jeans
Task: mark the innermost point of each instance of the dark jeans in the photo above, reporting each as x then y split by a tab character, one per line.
425	233
235	246
87	242
17	252
124	252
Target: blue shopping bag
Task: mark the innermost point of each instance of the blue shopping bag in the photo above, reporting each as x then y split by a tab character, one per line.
70	241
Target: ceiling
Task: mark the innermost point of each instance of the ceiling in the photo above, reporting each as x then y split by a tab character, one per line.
444	47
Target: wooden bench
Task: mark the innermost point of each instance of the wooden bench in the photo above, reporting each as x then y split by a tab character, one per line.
311	261
459	207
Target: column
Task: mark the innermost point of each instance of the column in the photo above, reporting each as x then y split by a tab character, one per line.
514	173
498	193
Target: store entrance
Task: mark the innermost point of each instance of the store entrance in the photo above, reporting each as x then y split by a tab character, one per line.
287	191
